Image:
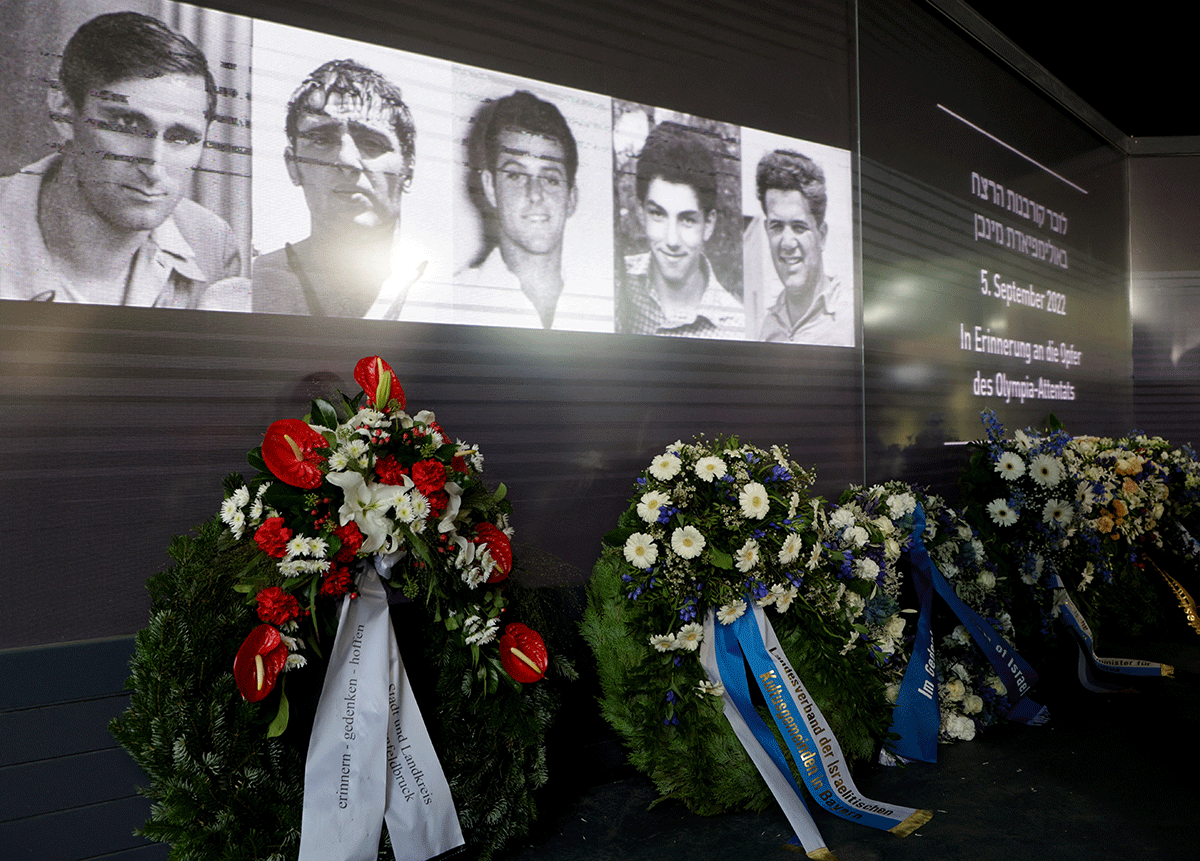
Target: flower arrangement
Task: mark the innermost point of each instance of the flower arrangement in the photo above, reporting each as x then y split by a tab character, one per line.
713	526
1083	511
968	687
333	491
357	487
1021	494
871	529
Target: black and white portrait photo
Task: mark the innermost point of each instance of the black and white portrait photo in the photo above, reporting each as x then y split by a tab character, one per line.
533	214
678	237
350	178
798	242
125	156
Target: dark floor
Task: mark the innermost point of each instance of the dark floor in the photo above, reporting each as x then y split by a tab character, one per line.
1111	776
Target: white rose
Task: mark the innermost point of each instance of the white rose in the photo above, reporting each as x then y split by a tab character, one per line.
987	579
972	704
955	690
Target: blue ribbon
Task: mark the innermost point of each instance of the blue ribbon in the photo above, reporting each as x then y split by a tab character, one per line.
733	677
913	719
742	639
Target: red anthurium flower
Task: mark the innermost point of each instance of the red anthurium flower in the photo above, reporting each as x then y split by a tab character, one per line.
498	546
259	662
523	653
289	451
379	382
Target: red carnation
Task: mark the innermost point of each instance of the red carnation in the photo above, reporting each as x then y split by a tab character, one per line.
338	580
429	476
458	463
498	547
378	381
276	606
523	653
289	450
259	662
272	537
438	500
351	539
390	470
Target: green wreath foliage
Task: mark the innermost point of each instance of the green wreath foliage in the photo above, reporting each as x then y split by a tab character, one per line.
699	761
220	789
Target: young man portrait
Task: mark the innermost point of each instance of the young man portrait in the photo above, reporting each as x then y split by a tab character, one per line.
350	149
672	289
107	220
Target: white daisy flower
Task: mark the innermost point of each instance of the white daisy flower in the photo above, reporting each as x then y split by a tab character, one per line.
790	551
710	468
730	613
689	636
687	542
784	596
1010	466
640	550
1046	470
754	500
663	642
650	504
665	466
1001	512
1058	511
747	555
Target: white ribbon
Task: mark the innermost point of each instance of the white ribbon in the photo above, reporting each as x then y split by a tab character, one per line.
370	759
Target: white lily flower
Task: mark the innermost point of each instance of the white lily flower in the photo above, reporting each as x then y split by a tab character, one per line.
368	506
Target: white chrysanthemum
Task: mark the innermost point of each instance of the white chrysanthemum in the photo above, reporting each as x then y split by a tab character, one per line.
708	689
256	510
405	510
1058	511
649	506
665	466
784	596
420	505
1001	512
1046	470
339	460
747	555
687	542
857	536
689	636
663	642
296	567
710	468
790	551
233	517
640	550
473	576
867	569
842	517
730	613
294	644
1010	466
294	662
754	500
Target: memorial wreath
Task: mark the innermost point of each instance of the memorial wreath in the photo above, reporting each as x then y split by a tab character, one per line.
357	513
